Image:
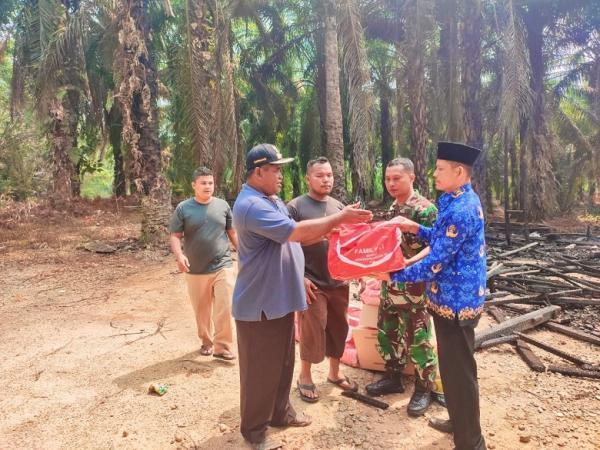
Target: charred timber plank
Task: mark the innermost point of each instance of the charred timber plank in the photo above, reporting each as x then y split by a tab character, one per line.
512	289
520	323
517	250
572	332
588	243
497	314
498	341
365	399
588	268
529	357
520	308
535	280
531	298
494	270
506	301
497	294
542	299
575	301
564	355
576	281
563	293
512	271
520	225
574	372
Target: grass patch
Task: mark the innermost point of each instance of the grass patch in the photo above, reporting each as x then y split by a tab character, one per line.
98	184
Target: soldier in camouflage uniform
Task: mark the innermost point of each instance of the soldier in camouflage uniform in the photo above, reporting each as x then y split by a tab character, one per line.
405	327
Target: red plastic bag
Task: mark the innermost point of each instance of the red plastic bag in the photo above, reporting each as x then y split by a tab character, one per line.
363	249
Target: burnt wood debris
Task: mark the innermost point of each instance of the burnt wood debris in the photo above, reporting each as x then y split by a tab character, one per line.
540	279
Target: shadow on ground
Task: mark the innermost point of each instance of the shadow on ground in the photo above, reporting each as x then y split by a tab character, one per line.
138	379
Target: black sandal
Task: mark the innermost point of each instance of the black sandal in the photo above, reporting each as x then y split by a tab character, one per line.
352	386
307	387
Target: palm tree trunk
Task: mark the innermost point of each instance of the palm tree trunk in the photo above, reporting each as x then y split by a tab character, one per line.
471	40
385	126
137	94
227	133
115	129
320	87
449	88
201	78
543	183
334	141
239	166
400	115
514	175
60	142
418	122
72	100
523	154
416	93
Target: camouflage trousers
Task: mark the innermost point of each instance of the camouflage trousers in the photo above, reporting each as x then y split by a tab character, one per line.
405	331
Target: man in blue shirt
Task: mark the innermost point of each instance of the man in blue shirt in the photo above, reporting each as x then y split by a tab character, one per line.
268	290
454	267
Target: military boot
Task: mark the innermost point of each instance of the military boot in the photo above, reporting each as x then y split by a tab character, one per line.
420	400
391	383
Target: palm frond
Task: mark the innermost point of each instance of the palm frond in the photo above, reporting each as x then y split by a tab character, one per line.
51	14
516	96
360	96
62	61
569	131
226	151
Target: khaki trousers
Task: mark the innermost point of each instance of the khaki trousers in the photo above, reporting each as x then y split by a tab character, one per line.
210	295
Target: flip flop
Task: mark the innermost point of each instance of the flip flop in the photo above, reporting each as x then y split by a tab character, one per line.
206	350
307	387
351	385
268	444
299	420
226	355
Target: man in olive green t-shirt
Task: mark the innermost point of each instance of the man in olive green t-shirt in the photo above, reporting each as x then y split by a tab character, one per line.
205	224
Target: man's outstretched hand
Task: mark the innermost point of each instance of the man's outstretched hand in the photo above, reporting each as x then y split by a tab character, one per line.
405	225
353	214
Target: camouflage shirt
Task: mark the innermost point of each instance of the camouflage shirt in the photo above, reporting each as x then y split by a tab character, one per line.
418	209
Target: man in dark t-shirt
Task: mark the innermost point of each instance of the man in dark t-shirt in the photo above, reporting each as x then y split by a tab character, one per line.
323	326
205	224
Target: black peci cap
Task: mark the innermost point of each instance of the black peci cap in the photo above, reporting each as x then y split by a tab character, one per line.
452	151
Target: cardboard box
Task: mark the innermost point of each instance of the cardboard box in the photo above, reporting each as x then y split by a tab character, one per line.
365	340
368	316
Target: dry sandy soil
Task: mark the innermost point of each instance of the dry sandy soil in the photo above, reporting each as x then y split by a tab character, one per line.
84	334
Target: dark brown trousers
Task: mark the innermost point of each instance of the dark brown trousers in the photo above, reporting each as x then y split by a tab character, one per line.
324	325
458	369
266	355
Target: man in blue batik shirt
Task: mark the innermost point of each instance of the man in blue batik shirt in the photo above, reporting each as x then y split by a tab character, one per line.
454	267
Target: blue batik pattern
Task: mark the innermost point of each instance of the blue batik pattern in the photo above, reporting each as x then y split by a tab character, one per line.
455	268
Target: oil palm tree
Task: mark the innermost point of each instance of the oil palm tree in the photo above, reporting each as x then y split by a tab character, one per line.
49	56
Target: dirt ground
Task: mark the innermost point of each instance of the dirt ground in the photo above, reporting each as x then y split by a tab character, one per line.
84	334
